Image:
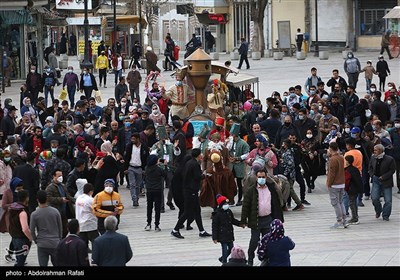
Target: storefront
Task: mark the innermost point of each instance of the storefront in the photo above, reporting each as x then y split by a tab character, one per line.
75	26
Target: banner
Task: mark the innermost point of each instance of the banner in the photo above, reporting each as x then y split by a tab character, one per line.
73	4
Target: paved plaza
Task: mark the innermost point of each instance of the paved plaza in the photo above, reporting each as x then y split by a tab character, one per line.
373	242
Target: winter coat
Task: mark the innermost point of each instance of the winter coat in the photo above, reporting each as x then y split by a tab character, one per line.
222	229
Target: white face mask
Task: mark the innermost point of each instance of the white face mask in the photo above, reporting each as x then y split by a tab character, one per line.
33	71
397	125
167	141
60	179
372	89
225	207
347	129
368	113
68	123
389	88
108	189
320	108
87	125
70	71
93	122
85	72
53	150
123	104
389	102
309	136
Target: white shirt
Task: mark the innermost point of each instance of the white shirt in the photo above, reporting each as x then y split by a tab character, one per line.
119	65
84	214
135	157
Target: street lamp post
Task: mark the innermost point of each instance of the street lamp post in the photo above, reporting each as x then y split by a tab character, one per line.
114	43
86	61
316	30
140	22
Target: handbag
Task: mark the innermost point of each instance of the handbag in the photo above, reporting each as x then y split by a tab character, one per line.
63	94
97	96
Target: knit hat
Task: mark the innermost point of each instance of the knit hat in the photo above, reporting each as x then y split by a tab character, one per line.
15	182
238	253
152	160
221	199
109	181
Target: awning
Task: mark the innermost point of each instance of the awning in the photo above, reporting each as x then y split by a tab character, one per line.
16	17
51	18
393	13
127	20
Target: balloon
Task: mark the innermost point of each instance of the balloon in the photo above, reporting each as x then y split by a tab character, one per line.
247	106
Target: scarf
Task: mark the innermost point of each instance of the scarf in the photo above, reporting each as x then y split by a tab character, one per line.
277	232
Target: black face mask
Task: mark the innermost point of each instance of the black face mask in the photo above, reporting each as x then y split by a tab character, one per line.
287	124
219	128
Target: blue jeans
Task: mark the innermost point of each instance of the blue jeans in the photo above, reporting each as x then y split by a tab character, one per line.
21	248
71	95
377	189
368	84
346	202
135	175
47	90
226	250
118	74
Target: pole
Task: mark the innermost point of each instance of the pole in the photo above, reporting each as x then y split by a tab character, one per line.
316	30
86	62
140	22
114	42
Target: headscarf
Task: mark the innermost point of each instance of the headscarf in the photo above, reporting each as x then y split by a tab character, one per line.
277	232
106	147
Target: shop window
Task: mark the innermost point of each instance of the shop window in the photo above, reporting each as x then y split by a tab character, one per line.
372	21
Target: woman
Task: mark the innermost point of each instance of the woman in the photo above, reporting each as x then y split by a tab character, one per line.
274	247
310	163
109	168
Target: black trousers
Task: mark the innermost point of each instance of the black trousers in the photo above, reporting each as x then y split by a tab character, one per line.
243	57
154	198
192	211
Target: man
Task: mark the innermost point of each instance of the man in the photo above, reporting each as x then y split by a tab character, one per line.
8	123
21	236
352	67
336	79
335	181
237	155
188	130
76	173
243	51
71	80
313	80
34	84
380	108
102	65
337	109
87	83
46	229
94	109
31	178
136	54
107	203
395	137
191	186
120	90
54	164
251	138
304	123
72	44
85	216
381	169
59	198
299	39
385	42
134	78
72	250
151	61
326	121
180	95
112	248
260	207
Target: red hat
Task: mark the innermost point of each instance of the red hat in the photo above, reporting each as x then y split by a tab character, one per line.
221	199
215	82
219	121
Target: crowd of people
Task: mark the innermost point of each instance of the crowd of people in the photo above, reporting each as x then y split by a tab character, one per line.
64	166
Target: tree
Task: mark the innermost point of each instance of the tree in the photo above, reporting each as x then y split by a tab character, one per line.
257	8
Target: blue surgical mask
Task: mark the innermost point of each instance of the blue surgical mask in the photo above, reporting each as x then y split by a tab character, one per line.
178	83
77	113
293	95
353	135
301	117
373	127
261	181
225	207
312	92
312	112
127	124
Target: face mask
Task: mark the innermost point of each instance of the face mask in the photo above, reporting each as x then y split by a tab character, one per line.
135	104
349	56
93	122
87	125
301	117
292	95
60	179
390	87
261	181
225	207
397	125
309	136
178	83
77	113
123	104
312	92
167	141
372	89
108	189
53	150
85	72
381	59
312	112
320	108
70	71
68	123
7	159
373	127
32	71
127	124
368	113
353	135
287	123
121	118
347	130
48	70
76	132
334	131
389	102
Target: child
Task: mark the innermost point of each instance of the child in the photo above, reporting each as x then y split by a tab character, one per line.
222	229
237	257
369	71
154	189
274	247
353	186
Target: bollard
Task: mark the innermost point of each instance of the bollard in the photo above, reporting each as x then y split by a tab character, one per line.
323	55
278	55
300	55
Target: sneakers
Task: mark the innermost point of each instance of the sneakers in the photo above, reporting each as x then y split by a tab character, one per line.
204	234
366	197
385	219
338	225
177	234
305	202
377	215
9	259
105	86
147	228
298	207
353	222
309	190
135	204
239	203
157	229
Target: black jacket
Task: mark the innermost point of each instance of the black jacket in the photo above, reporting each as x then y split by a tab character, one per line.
7	126
144	154
72	251
94	83
222	229
332	82
304	125
382	68
354	184
381	109
192	176
271	126
71	181
31	179
154	180
387	169
111	249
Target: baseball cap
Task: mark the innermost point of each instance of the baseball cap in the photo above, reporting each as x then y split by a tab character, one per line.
355	130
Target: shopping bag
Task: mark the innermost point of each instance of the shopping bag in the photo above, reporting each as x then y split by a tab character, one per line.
97	96
63	94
